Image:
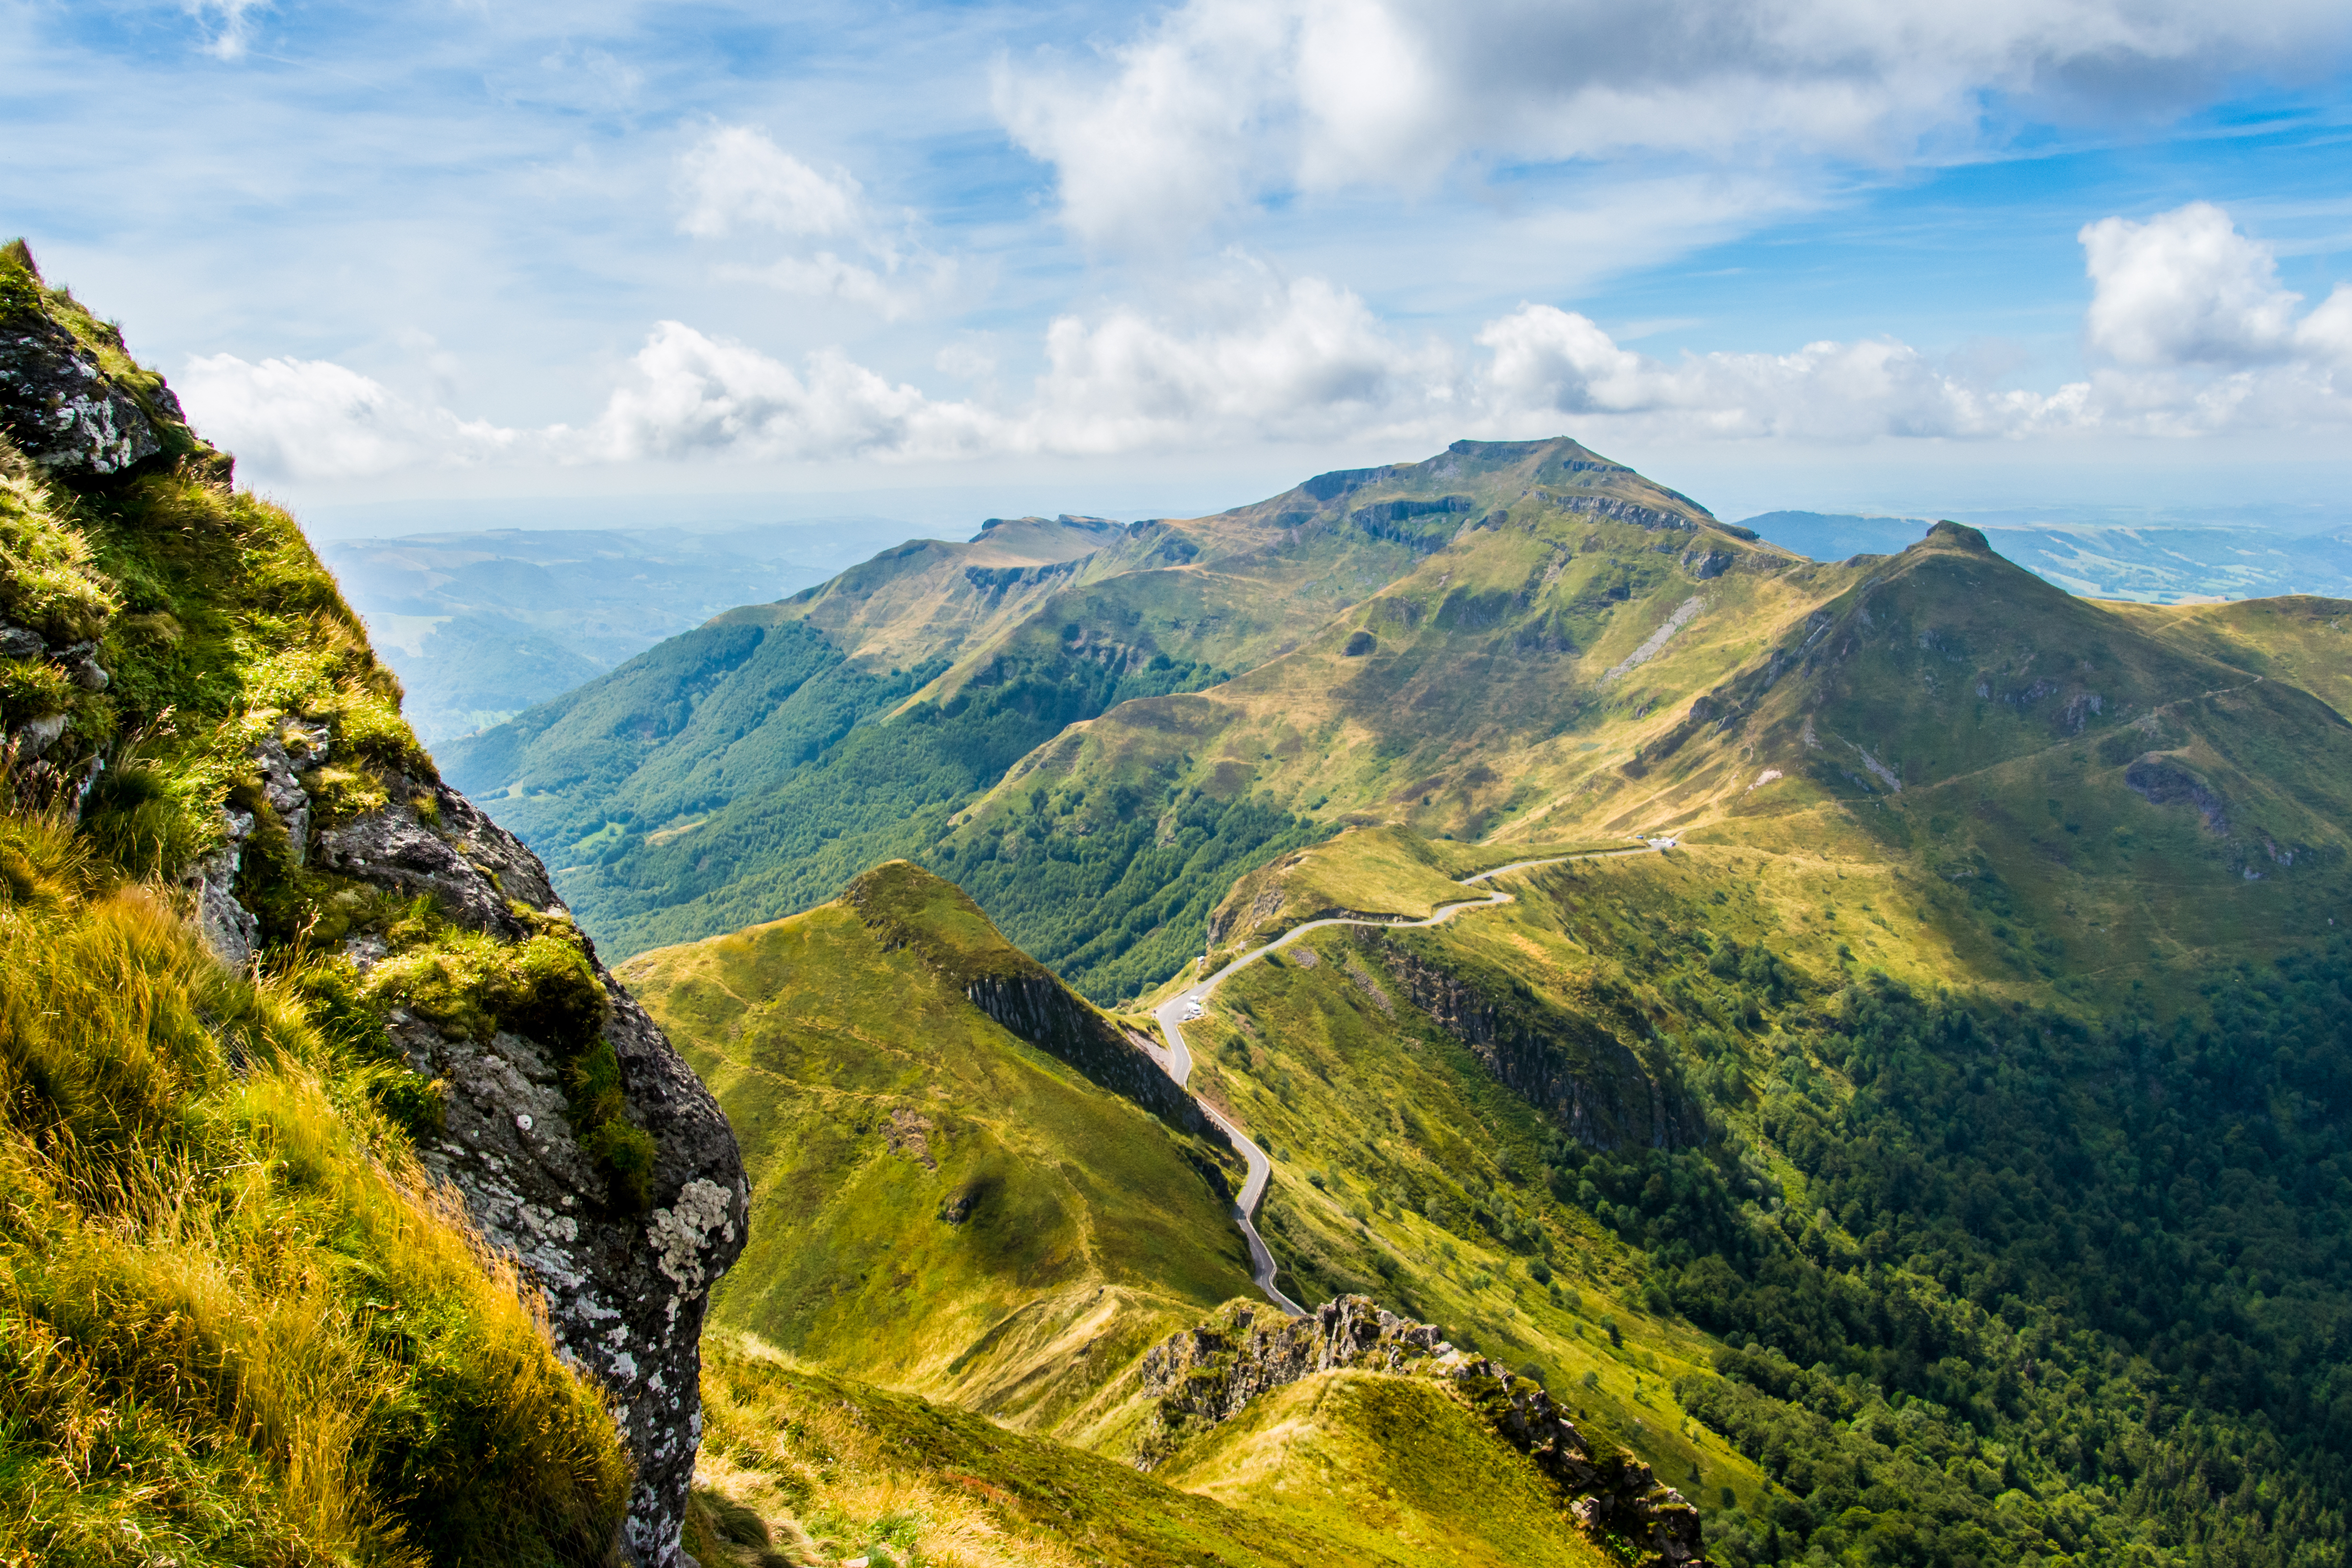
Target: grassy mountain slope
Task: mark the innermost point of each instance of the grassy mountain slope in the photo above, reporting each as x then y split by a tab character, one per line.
237	1322
757	765
2303	641
1967	1276
1325	1453
936	1195
943	1207
817	1468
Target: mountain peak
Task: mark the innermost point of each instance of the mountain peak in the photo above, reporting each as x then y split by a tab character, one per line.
1948	535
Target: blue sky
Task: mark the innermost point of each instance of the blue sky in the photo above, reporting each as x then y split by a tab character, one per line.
1897	256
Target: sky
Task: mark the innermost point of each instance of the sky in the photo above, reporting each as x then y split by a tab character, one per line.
706	261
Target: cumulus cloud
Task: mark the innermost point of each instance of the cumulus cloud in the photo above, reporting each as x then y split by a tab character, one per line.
688	396
1217	103
316	419
736	177
2186	289
1548	361
2190	332
1255	357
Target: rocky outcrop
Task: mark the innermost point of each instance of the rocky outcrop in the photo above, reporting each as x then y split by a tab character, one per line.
2161	780
1043	1012
1579	1075
623	1224
65	410
1206	1376
625	1289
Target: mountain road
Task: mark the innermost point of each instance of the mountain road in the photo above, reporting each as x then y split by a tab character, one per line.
1176	1059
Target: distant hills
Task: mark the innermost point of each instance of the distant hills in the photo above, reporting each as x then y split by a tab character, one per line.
2158	564
480	625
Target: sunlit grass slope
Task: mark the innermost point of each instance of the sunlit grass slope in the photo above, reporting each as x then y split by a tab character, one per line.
1407	1172
804	1465
1393	1468
236	1327
937	1204
2300	639
1924	1253
1376	871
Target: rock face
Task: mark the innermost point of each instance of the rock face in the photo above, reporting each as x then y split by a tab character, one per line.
625	1292
907	907
1205	1375
1585	1079
624	1267
1043	1012
64	410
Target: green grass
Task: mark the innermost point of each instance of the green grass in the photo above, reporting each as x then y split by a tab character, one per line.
813	1467
1375	871
1917	1194
932	1194
236	1325
1384	1465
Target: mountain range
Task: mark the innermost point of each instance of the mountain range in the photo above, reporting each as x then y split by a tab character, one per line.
1469	1012
1723	1139
480	625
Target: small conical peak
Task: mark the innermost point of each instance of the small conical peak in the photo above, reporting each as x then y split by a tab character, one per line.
905	905
1951	535
16	255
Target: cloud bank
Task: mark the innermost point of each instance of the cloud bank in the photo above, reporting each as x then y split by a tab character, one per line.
1219	103
2187	334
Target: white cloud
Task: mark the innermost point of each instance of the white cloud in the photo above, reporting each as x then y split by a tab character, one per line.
1254	358
736	177
691	395
1548	361
1217	102
2193	333
2197	338
316	419
232	30
736	180
2185	288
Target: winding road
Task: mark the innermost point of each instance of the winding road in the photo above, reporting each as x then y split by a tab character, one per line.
1177	1059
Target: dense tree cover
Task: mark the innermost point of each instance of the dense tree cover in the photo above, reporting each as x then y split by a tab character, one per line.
1109	887
1125	902
2032	1286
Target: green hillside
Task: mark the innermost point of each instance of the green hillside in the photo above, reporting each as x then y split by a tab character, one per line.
934	1193
1968	1277
755	766
945	1209
809	1465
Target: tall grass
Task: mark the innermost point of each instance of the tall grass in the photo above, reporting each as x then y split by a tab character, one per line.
236	1325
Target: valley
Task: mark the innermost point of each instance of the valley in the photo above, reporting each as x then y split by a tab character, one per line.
1466	1012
